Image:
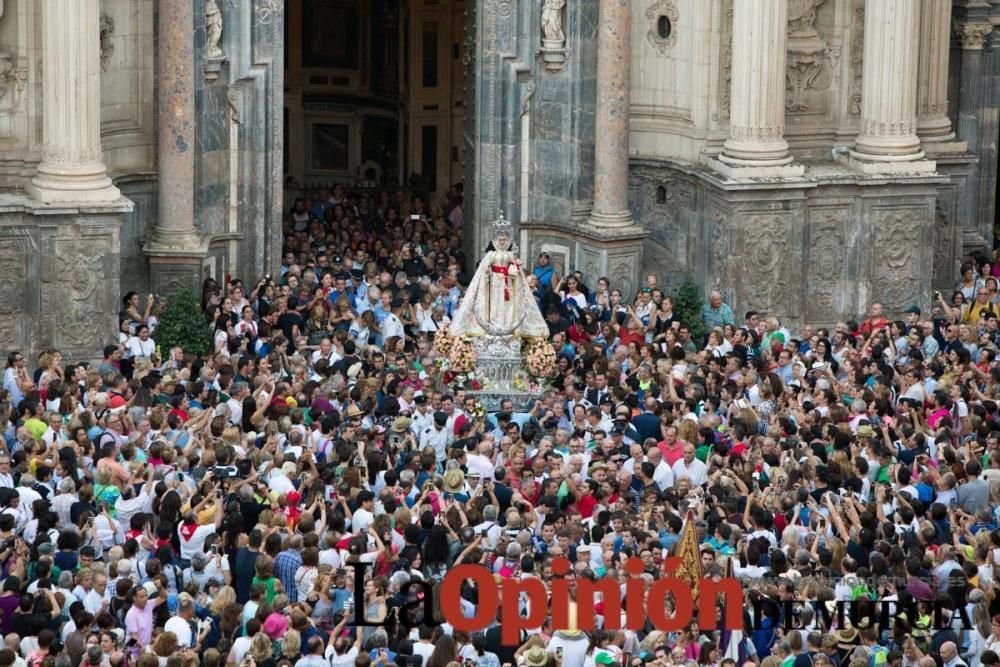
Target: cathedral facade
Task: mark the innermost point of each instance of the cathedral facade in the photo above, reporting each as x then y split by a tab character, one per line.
805	157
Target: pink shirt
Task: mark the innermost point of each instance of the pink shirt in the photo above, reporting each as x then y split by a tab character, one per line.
140	622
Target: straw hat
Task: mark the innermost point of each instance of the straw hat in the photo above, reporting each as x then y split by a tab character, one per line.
536	656
454	480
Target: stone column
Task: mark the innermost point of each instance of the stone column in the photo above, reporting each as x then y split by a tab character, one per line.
756	146
933	125
71	169
176	124
175	250
888	140
614	65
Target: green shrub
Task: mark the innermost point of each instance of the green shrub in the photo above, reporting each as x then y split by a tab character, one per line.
183	324
687	308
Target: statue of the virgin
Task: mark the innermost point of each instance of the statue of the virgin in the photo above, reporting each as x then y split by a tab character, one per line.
499	301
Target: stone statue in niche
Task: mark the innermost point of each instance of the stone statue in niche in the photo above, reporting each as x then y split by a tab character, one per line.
213	29
802	18
552	22
553	35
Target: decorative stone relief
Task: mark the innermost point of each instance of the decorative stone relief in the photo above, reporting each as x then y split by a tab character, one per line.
719	242
72	292
107	45
826	263
808	73
662	34
553	35
12	297
763	276
897	240
857	51
726	69
972	36
945	265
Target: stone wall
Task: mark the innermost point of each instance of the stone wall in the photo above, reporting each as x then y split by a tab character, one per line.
817	251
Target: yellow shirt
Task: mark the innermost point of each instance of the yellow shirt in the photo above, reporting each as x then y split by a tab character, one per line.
973	310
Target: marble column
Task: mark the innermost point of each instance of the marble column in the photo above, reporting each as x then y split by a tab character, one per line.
175	249
72	169
933	124
888	141
614	66
757	107
176	125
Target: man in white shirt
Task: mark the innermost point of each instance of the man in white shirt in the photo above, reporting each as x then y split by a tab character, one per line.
364	515
690	467
6	478
327	352
180	624
663	475
480	461
391	325
438	436
240	391
28	495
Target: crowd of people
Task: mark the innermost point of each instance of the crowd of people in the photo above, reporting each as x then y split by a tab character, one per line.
252	506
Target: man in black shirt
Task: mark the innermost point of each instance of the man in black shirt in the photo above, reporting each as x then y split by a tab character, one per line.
244	566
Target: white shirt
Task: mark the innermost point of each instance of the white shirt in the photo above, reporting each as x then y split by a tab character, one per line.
195	543
391	326
179	627
360	521
696	471
137	347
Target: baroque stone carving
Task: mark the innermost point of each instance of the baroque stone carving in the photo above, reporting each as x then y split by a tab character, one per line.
553	35
897	240
857	51
826	264
808	72
763	276
719	241
972	36
73	292
107	45
726	70
552	23
213	29
12	302
657	11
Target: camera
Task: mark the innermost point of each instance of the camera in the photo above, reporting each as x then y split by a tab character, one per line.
225	471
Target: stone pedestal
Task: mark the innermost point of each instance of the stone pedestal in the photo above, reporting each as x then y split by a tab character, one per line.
71	169
888	142
59	275
933	125
756	147
175	249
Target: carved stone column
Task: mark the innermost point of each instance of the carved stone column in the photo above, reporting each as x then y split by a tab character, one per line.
888	140
71	169
175	249
933	124
756	146
614	66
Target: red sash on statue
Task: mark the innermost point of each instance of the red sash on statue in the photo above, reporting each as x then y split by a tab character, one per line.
505	272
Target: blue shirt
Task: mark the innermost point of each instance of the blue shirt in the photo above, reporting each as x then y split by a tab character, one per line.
285	566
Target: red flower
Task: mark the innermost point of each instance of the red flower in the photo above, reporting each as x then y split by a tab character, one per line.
476	386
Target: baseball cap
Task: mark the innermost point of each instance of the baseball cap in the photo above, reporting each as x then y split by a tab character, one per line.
912	310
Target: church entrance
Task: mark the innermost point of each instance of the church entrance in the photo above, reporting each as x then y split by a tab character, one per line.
374	94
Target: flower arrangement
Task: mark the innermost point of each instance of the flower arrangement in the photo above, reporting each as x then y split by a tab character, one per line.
461	355
540	358
443	342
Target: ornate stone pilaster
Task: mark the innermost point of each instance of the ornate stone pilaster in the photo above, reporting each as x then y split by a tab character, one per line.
888	140
72	169
175	241
933	124
756	146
